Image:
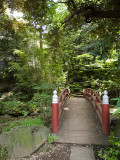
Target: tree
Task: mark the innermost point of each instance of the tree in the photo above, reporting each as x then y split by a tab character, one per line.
92	9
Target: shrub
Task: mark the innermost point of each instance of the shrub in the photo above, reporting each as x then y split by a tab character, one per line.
26	123
46	116
51	138
14	107
47	88
113	152
19	102
39	101
3	153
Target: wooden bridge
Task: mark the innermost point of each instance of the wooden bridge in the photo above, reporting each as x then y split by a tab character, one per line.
79	122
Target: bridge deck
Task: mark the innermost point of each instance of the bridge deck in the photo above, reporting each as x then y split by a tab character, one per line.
79	124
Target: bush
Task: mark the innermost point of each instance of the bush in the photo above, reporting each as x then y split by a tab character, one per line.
14	107
46	116
3	153
26	123
39	101
20	102
113	152
75	87
45	88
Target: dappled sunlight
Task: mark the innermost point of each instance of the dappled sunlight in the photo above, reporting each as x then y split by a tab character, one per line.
65	109
6	95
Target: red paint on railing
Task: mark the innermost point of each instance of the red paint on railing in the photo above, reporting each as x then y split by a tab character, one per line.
57	107
62	98
102	110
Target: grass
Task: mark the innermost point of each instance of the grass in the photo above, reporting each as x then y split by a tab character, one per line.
23	123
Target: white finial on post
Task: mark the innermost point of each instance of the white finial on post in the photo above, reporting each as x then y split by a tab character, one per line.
105	97
55	97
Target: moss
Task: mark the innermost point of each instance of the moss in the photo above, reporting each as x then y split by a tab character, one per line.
23	141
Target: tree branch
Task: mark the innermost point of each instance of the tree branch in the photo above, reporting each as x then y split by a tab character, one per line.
60	2
67	20
106	14
94	14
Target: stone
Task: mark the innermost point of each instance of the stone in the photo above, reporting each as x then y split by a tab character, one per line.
23	141
82	153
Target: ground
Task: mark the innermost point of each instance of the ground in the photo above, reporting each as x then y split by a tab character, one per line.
58	151
54	151
50	152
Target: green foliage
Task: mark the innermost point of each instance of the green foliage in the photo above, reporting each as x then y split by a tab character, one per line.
32	122
51	138
87	58
23	74
46	115
14	107
75	87
39	101
113	152
45	87
24	123
96	74
91	61
3	153
20	95
11	106
117	106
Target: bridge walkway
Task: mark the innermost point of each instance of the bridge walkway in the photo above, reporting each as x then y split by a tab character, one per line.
79	124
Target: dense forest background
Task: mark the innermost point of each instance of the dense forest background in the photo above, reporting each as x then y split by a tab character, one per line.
47	45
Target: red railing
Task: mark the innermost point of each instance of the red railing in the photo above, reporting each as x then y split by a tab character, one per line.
62	98
57	107
95	100
102	110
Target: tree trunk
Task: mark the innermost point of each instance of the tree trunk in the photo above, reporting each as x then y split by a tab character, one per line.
41	44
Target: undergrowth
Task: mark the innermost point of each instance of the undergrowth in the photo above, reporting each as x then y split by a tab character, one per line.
23	123
3	153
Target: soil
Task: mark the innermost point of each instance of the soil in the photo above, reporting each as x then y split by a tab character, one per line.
58	151
50	152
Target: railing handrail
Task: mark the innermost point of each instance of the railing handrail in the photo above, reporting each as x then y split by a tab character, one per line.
96	102
57	106
101	108
62	98
98	98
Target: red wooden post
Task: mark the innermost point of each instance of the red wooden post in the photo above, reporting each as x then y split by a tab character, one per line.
55	113
105	115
